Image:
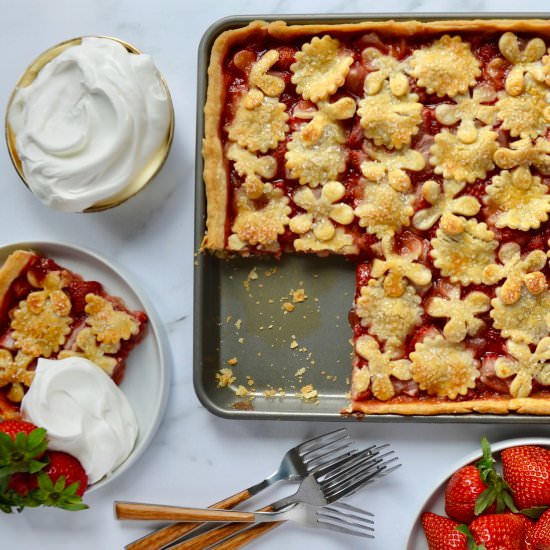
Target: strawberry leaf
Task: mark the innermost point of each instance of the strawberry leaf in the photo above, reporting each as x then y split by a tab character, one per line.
472	545
535	512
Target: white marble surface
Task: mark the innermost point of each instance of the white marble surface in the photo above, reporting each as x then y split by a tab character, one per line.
197	458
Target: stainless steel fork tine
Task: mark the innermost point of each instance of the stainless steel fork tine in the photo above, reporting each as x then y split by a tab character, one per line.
355	517
336	520
320	441
321	455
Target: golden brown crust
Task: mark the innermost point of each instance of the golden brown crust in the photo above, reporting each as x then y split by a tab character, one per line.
11	269
535	405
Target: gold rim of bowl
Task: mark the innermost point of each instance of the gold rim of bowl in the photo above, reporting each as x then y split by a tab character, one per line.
148	172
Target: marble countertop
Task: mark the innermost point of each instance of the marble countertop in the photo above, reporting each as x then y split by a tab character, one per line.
197	458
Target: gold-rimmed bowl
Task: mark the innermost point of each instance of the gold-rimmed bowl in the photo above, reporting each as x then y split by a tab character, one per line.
145	175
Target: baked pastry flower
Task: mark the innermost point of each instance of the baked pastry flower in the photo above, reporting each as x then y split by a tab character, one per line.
320	68
526	320
462	249
262	224
525	365
259	77
446	67
399	267
442	201
259	123
516	271
381	366
517	199
524	152
316	153
467	110
444	368
383	210
528	113
460	161
526	61
384	68
461	312
15	372
389	318
392	166
322	209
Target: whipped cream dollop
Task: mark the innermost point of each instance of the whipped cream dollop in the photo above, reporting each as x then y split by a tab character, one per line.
89	123
84	412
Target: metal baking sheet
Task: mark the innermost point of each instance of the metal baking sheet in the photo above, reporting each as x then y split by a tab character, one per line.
239	311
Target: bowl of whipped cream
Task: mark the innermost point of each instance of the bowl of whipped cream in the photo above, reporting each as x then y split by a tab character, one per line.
89	124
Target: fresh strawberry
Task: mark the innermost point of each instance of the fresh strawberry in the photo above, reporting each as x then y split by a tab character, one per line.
66	466
538	537
526	469
441	532
499	531
13	427
22	445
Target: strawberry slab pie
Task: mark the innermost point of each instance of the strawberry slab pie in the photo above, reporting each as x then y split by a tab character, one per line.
420	152
48	311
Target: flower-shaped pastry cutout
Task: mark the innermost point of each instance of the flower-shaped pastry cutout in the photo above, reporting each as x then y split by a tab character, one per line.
461	312
524	152
389	120
514	269
526	114
320	68
253	168
100	353
444	368
381	367
259	224
461	161
15	372
322	209
517	199
390	319
442	201
109	325
526	320
41	322
462	249
467	109
270	85
524	366
526	61
315	154
384	68
399	267
391	166
383	210
446	67
259	123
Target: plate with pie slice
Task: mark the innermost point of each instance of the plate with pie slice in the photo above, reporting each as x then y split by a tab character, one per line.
61	301
435	496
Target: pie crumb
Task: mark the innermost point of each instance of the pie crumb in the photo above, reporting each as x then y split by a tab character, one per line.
225	377
308	392
287	306
299	296
241	391
233	361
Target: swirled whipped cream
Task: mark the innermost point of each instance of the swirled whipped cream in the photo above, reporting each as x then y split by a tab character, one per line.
84	413
89	123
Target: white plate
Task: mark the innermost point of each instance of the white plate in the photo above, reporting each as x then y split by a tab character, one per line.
435	501
146	377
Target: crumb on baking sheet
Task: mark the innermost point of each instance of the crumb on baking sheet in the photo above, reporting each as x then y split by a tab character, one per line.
300	372
308	392
233	361
294	344
241	391
270	392
287	306
299	296
225	377
238	324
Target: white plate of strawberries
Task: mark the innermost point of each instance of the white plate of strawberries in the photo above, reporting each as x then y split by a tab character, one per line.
494	499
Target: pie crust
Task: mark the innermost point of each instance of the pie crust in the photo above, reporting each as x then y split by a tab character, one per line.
421	151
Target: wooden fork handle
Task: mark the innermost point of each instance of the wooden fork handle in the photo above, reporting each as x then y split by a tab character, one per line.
247	535
158	512
205	540
157	539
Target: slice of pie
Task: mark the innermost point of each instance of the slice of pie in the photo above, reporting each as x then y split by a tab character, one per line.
421	151
49	311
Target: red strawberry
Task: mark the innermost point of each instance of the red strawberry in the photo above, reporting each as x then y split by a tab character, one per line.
65	465
477	489
526	469
441	532
499	531
13	427
538	537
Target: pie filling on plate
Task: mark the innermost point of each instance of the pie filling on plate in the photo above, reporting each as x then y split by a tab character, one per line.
421	152
49	311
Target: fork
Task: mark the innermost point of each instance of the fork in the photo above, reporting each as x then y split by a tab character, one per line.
295	465
376	466
319	488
